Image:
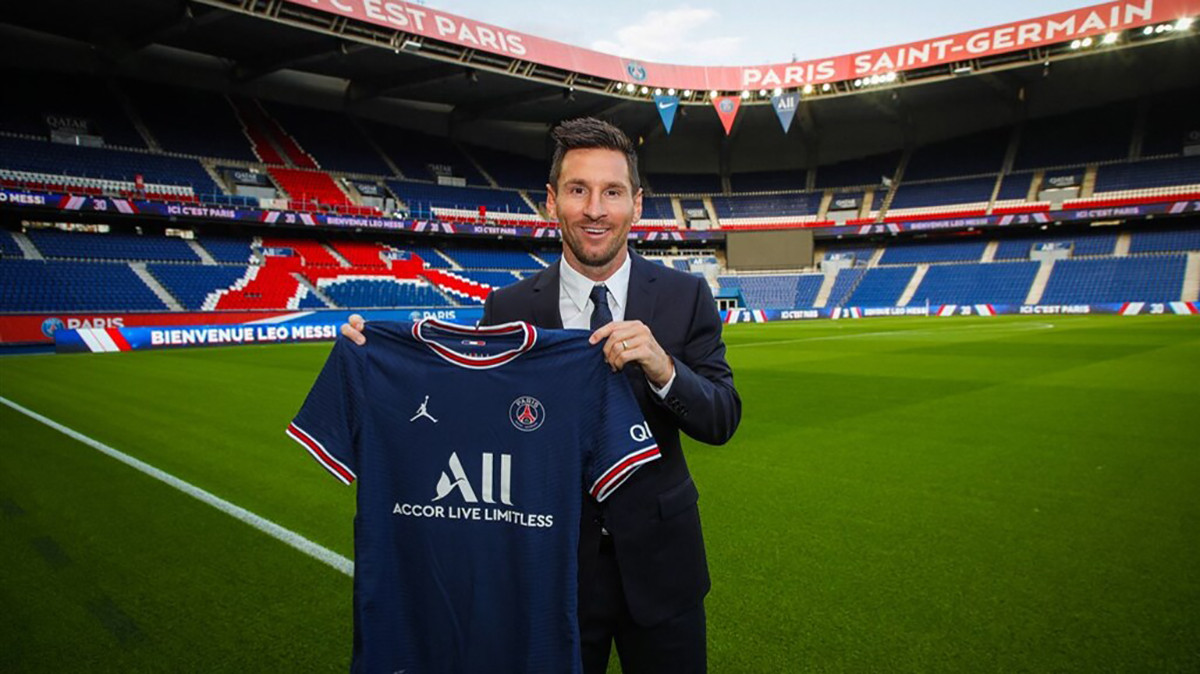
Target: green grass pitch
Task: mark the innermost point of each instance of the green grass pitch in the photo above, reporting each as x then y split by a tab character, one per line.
925	495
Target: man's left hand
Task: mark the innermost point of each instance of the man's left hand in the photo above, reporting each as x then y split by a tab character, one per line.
631	342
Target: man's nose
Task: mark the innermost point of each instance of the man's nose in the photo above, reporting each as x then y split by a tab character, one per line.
594	208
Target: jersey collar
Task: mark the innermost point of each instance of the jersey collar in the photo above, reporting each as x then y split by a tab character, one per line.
526	331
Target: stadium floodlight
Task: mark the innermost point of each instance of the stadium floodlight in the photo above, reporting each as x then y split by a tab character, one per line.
1148	30
1075	44
808	89
645	90
671	92
658	92
1087	41
762	93
713	94
858	83
826	87
891	77
631	87
1110	38
1184	24
410	45
745	94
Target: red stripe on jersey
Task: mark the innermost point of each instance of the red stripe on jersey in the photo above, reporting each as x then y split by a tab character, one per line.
602	485
331	464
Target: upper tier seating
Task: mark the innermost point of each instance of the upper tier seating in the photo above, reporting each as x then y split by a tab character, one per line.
855	172
421	198
312	189
1148	173
772	206
330	138
311	253
683	183
30	98
513	171
1156	278
54	243
965	156
768	181
765	292
422	157
967	191
1076	138
191	121
53	285
90	162
998	283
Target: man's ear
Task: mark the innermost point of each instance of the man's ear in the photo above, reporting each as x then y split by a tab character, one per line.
551	202
637	205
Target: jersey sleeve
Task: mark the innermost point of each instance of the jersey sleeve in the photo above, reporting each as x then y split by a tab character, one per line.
328	422
623	441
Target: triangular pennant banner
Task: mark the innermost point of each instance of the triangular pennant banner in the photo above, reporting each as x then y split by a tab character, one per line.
667	105
785	107
727	107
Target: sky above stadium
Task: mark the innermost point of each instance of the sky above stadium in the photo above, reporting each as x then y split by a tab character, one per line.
746	32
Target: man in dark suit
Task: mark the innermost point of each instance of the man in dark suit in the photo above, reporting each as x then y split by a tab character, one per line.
642	568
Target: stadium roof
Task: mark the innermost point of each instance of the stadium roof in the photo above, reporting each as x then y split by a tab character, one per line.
289	50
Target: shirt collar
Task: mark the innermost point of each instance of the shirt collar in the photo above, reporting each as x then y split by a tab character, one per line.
579	287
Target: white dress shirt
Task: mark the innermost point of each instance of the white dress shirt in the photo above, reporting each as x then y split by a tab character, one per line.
575	302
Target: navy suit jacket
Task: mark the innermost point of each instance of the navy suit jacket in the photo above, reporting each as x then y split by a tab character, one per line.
653	518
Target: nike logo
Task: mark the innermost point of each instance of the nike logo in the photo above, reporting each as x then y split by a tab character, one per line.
664	106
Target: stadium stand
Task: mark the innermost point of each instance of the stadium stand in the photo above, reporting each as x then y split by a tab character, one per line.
998	283
54	243
227	249
881	287
350	291
953	251
857	172
981	153
1165	241
1093	135
191	285
1157	278
37	102
427	199
333	140
844	284
8	245
683	183
56	285
494	259
422	157
191	121
768	181
513	171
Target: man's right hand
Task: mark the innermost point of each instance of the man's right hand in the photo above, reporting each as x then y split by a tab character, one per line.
353	329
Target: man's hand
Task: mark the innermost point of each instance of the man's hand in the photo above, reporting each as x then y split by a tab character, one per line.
632	342
353	329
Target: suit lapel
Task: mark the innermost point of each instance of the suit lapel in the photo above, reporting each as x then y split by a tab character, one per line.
545	299
642	289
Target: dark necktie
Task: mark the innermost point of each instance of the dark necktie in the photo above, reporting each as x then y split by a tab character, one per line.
601	314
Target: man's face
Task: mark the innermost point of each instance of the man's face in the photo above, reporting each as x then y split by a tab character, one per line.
595	206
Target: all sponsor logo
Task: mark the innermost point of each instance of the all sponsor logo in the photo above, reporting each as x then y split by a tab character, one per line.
462	496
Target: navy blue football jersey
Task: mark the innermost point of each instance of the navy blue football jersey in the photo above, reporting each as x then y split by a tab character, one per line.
472	448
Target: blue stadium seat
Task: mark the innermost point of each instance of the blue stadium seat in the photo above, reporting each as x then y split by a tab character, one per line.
384	292
1165	241
996	283
192	284
951	251
50	285
881	287
54	243
1155	278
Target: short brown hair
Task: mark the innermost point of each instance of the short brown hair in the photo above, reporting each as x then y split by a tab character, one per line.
588	133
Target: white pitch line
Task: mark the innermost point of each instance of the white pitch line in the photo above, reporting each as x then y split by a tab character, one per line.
317	552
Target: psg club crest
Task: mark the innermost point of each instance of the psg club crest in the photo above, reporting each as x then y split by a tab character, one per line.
636	70
526	413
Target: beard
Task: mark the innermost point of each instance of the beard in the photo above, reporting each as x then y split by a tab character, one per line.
590	256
